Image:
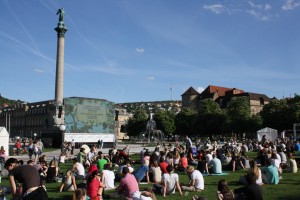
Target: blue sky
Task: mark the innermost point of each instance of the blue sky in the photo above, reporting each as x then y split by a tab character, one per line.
135	50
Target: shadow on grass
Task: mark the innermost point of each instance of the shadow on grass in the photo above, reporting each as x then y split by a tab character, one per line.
65	197
289	197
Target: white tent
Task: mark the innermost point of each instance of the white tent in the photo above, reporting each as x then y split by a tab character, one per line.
271	134
4	139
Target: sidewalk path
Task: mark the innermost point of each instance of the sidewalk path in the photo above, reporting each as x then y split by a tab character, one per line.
134	148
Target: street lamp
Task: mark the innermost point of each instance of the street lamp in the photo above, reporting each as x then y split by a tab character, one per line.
34	136
62	128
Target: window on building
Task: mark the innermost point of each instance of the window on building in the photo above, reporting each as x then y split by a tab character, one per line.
262	101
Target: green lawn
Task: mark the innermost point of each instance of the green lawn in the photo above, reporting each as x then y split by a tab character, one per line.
288	188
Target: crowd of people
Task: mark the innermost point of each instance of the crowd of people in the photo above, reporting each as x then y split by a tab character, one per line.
93	172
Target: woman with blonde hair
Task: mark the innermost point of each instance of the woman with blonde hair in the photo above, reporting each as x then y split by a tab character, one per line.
68	183
2	154
156	172
256	171
52	171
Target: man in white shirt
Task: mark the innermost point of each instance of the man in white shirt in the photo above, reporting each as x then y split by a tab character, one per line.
92	155
196	183
108	177
78	169
188	143
208	156
170	181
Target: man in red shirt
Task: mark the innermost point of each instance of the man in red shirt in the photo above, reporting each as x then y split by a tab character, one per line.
163	165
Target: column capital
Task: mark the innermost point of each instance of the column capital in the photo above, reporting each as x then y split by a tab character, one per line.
61	30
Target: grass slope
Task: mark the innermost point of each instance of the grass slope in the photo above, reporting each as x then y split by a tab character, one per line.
288	188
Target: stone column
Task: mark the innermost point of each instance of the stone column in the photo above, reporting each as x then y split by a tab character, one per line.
61	29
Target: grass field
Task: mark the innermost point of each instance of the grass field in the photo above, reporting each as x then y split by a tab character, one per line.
288	188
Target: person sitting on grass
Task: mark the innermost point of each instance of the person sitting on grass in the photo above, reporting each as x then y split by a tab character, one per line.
170	181
163	165
108	177
101	161
68	183
251	190
270	173
224	193
196	183
129	188
79	194
94	187
78	169
142	172
292	164
156	172
81	155
183	162
215	164
52	171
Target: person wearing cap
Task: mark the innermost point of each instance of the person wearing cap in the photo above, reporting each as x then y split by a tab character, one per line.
196	183
27	175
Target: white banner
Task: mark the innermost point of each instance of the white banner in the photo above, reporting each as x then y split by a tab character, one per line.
89	137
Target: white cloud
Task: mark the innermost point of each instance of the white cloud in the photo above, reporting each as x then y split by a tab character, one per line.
200	89
215	8
150	78
139	50
260	6
258	15
39	70
290	5
268	7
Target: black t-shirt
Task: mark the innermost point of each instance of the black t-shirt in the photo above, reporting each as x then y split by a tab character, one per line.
251	191
26	174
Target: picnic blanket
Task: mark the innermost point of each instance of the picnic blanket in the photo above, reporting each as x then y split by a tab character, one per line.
222	174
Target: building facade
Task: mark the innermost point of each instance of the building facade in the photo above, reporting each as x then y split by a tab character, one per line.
222	95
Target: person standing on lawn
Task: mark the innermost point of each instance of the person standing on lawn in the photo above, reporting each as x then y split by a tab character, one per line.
18	146
188	143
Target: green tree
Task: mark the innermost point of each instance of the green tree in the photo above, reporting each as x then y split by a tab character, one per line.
184	122
210	118
165	121
281	114
238	113
137	123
